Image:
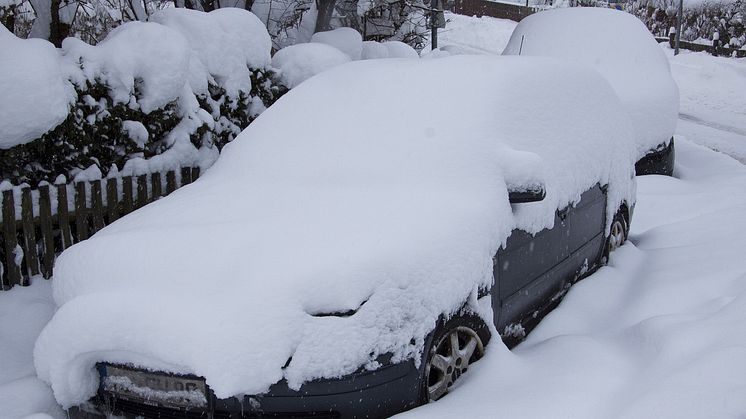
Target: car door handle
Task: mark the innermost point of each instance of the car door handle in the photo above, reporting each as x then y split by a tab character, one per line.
562	213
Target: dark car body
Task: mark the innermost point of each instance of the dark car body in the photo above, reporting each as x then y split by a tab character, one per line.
532	273
659	161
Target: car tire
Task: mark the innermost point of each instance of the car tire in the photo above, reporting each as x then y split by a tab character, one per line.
618	234
442	364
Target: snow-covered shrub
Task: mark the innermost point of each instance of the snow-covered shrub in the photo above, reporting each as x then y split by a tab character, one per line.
329	49
300	62
701	19
347	40
96	131
151	96
34	92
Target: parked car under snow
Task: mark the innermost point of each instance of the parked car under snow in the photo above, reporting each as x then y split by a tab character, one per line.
621	48
351	252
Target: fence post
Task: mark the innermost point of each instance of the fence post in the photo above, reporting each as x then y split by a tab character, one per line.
186	176
29	234
81	220
97	207
170	182
127	201
45	223
12	270
112	199
63	214
142	191
155	181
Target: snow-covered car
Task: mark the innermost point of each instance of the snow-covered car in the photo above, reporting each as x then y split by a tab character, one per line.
621	48
352	251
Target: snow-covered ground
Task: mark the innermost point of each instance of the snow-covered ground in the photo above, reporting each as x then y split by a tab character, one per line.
23	313
473	35
713	100
661	332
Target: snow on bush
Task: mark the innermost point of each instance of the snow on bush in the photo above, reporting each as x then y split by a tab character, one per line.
34	94
398	49
619	46
394	210
300	62
373	50
347	40
701	19
226	44
151	96
127	56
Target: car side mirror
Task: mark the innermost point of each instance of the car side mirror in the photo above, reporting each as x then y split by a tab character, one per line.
534	194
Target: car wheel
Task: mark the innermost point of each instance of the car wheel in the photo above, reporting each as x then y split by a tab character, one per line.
617	235
455	346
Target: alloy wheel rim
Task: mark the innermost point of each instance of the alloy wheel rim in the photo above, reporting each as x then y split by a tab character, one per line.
452	356
616	238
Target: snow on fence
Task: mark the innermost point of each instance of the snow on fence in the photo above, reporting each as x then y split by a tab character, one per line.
38	224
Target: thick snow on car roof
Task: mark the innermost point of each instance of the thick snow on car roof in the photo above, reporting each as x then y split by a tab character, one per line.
621	48
379	186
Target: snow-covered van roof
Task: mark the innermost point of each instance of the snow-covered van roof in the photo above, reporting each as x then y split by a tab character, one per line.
378	186
621	48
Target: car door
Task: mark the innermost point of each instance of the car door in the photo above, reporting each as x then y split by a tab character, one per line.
585	228
526	271
532	269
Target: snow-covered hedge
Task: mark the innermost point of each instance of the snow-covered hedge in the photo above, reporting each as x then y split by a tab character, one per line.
701	19
151	96
329	49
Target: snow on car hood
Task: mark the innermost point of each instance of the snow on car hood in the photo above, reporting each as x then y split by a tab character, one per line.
378	186
621	48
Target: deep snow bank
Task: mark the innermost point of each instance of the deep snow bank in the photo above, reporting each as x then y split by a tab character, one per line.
24	311
620	47
331	201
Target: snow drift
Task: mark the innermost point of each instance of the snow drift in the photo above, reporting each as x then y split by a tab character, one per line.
332	201
621	48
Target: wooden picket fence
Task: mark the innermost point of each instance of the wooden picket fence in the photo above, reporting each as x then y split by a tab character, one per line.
54	217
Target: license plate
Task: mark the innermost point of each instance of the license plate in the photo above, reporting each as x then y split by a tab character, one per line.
155	388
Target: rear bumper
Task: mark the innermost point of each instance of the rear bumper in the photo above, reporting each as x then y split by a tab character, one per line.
368	394
659	161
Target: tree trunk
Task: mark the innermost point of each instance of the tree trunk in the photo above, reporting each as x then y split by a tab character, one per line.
208	5
249	4
324	17
9	21
58	30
